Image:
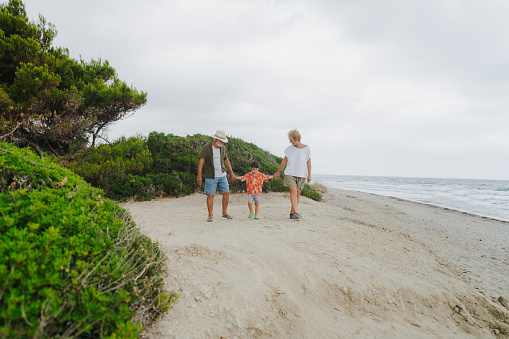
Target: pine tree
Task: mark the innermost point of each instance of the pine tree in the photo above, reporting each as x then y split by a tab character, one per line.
49	101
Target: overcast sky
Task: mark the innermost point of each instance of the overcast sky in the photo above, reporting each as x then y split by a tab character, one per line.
383	88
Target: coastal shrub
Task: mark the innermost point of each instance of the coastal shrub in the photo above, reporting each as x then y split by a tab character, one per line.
100	165
72	263
311	193
174	184
124	187
174	153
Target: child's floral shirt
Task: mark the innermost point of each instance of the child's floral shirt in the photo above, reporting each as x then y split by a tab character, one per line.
254	183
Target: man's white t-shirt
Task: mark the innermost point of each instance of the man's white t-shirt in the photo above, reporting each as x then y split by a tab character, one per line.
218	171
297	161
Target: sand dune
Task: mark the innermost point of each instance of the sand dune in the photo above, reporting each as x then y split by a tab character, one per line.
357	265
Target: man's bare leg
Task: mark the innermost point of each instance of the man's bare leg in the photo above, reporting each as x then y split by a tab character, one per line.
226	199
210	205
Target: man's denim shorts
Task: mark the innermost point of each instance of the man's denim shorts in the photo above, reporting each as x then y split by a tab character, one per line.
212	184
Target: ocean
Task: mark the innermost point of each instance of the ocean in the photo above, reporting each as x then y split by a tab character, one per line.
488	198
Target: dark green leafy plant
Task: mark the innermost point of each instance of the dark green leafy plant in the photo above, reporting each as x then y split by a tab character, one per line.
173	153
101	166
72	263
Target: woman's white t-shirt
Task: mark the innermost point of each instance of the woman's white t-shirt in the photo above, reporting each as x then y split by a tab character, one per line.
297	161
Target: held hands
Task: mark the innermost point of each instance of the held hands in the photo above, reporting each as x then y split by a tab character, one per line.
276	176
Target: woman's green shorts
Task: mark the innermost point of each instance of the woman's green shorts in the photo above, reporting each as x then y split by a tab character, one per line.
291	181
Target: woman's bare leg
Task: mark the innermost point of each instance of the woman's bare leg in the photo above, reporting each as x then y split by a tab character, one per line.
294	199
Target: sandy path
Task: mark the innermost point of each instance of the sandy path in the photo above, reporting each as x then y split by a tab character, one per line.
357	265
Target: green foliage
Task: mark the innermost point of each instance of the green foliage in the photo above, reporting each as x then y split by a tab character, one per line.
72	263
166	165
175	153
101	165
49	101
140	168
151	186
19	39
311	193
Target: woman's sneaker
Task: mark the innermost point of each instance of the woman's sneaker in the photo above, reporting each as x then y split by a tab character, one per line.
250	215
294	216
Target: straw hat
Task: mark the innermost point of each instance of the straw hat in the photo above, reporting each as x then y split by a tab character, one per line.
221	135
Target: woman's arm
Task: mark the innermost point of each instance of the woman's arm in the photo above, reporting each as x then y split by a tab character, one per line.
281	167
309	170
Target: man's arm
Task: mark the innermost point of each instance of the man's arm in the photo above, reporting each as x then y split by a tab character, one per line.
281	167
229	167
200	167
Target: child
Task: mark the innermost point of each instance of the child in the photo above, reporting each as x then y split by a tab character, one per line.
254	182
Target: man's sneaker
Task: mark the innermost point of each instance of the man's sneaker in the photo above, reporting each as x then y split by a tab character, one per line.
256	217
250	215
294	216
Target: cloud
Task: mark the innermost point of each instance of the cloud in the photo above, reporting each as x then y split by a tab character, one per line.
394	88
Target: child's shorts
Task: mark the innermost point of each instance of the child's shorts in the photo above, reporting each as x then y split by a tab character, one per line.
254	197
291	181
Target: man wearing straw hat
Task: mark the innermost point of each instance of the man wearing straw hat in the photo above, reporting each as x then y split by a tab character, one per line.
214	162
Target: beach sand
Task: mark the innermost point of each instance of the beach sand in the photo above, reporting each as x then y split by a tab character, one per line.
356	266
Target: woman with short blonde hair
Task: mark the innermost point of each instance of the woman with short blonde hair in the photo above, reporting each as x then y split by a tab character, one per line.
297	165
294	134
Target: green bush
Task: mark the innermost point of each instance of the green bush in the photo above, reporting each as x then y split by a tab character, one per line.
174	153
125	186
148	187
100	165
72	263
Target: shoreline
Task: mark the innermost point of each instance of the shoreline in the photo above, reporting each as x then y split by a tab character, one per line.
465	194
422	203
356	265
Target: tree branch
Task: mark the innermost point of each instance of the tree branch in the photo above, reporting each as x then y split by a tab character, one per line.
6	135
143	272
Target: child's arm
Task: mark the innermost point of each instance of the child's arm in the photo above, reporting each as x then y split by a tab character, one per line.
243	178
